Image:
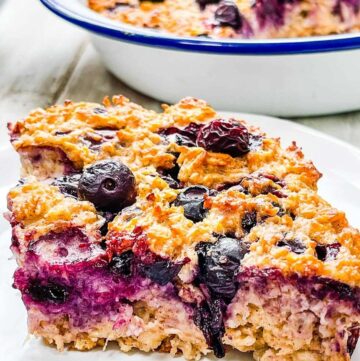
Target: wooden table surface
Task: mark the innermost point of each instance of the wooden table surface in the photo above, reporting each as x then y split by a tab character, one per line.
44	60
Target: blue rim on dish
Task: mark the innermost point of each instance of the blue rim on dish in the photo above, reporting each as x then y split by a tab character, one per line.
145	37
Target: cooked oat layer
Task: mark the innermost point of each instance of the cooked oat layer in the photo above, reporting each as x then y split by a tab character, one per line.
151	323
256	19
278	322
38	207
283	323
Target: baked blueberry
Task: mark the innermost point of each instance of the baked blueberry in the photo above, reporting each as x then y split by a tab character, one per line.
281	212
49	292
100	110
170	175
161	271
294	245
192	200
228	14
270	12
248	221
203	3
94	140
68	184
109	184
108	216
224	136
185	136
21	182
233	185
174	184
327	252
255	141
354	334
209	318
219	263
122	264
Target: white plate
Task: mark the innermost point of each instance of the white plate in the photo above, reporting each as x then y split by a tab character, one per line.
339	162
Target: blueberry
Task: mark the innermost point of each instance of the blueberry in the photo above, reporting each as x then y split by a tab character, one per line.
108	216
234	186
208	317
228	14
295	245
170	176
174	171
162	271
354	333
219	263
327	252
109	184
281	212
101	135
192	200
273	178
203	3
274	191
255	141
270	12
224	136
122	264
325	287
117	5
100	109
338	9
21	182
249	221
174	184
186	136
68	184
60	133
15	242
50	292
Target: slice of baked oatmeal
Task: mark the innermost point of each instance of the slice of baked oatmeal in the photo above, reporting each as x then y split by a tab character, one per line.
178	231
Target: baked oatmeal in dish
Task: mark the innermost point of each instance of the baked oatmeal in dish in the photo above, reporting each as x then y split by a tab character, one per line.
180	232
236	18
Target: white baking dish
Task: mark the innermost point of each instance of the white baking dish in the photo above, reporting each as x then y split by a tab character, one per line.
287	77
